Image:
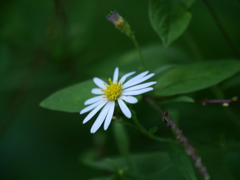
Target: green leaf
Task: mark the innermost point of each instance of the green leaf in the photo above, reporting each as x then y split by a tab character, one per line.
170	18
70	99
181	160
178	99
193	77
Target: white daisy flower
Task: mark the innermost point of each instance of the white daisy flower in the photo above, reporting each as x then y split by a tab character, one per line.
119	91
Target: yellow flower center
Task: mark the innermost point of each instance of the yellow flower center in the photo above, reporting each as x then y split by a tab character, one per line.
113	91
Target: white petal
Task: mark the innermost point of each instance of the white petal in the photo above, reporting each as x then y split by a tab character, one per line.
140	86
89	108
129	99
97	91
115	75
100	83
93	100
138	81
94	111
101	117
109	115
124	108
136	78
125	77
141	91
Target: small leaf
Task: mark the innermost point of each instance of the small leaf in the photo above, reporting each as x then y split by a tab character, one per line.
193	77
163	68
70	99
153	130
181	161
170	18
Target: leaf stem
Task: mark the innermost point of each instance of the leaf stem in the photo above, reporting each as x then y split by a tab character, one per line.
222	29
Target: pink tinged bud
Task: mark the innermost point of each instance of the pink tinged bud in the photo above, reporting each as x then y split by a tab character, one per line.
116	19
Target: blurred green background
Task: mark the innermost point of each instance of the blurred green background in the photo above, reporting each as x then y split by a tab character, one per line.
48	45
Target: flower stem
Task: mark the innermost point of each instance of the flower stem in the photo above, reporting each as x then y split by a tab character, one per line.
132	36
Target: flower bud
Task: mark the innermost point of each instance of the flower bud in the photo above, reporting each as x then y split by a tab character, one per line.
120	23
116	19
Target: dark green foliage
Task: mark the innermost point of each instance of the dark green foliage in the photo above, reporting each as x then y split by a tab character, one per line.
51	50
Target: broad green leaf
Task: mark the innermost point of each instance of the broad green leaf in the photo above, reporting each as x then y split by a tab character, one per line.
178	99
162	69
70	99
170	18
193	77
232	83
181	161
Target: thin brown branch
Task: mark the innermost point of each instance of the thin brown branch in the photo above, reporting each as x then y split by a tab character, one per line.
181	138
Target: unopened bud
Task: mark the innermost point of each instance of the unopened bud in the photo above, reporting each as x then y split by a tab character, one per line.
116	19
120	23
